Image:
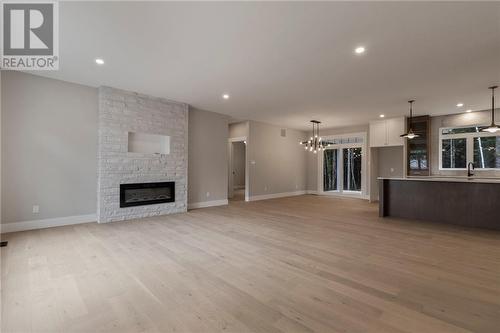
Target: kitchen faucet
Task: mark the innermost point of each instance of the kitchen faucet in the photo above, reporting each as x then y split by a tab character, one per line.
469	171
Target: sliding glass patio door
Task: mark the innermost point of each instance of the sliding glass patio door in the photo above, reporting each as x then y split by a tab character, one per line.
342	169
330	167
352	169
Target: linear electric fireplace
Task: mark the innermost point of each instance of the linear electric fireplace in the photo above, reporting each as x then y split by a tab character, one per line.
146	193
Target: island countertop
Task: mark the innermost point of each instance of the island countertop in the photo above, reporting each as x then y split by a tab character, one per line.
470	202
461	179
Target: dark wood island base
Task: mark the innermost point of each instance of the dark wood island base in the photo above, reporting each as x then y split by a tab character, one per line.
465	202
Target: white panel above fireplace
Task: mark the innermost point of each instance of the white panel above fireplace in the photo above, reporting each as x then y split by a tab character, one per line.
144	143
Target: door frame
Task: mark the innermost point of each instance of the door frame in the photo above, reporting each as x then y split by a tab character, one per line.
340	167
230	183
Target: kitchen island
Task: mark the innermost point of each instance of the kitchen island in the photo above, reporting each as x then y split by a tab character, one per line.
470	202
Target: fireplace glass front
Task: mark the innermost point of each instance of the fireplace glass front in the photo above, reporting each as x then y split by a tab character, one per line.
146	193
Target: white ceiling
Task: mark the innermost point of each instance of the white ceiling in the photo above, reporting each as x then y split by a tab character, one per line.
288	62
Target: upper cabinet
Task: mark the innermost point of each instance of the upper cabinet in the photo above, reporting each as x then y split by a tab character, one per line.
395	127
387	132
378	133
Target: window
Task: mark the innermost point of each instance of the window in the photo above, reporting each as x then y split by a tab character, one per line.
461	145
454	153
339	141
461	130
487	152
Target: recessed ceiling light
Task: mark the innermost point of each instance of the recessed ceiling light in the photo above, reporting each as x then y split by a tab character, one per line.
459	105
468	111
382	116
225	96
99	61
359	50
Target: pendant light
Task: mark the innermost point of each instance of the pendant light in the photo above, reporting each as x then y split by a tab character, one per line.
316	143
493	128
410	134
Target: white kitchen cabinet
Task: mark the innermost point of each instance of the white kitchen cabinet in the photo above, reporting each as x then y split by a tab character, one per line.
395	127
378	133
387	132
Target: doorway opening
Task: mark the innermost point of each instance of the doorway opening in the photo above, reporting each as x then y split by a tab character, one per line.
237	169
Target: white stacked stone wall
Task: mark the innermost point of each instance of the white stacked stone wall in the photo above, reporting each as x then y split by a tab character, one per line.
121	112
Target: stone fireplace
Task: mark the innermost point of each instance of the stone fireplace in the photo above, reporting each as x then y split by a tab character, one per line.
151	165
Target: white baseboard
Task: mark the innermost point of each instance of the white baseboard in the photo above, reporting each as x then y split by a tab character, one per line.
47	223
312	192
276	195
205	204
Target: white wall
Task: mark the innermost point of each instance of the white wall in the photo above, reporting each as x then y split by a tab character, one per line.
390	161
207	166
385	162
1	147
49	148
276	164
238	130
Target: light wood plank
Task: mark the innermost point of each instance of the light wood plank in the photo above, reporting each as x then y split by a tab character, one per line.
299	264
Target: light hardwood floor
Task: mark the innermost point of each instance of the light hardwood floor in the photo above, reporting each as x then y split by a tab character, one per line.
238	195
299	264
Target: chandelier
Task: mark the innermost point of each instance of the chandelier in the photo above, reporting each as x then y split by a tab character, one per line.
315	143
